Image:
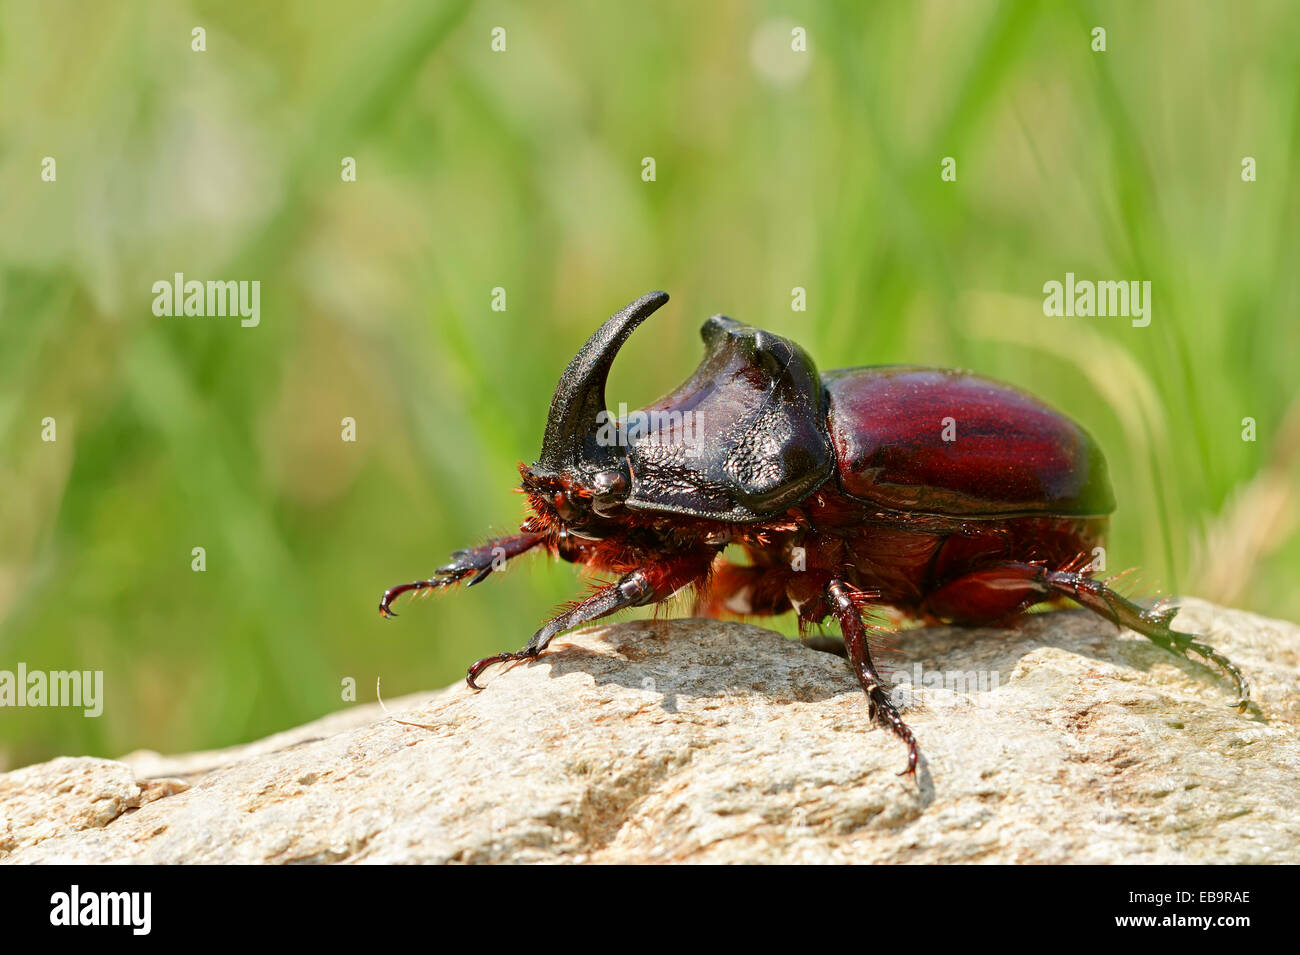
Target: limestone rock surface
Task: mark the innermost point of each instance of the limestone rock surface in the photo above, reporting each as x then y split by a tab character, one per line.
701	741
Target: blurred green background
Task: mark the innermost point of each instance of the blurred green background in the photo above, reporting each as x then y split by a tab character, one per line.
522	170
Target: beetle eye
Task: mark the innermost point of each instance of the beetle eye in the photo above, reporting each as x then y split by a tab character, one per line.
609	489
606	483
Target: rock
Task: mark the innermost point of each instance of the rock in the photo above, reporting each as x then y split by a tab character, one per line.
702	741
71	795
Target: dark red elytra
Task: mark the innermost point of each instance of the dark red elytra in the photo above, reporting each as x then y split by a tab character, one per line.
940	493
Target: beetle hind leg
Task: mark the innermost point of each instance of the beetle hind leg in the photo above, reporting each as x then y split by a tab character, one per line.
880	706
992	592
1154	624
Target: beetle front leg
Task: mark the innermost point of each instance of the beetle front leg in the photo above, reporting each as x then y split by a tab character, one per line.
476	561
643	586
632	591
880	706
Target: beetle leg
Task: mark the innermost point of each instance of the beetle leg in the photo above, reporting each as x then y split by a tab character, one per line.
632	591
476	561
642	586
880	706
1011	586
1154	624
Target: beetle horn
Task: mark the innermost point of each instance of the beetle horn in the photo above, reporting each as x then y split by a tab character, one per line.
571	425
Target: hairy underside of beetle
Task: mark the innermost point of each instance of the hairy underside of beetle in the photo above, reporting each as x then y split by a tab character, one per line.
906	561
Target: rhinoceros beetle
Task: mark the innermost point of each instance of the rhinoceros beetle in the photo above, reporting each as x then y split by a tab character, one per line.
948	496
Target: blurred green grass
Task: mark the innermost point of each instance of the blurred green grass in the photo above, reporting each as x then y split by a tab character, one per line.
522	170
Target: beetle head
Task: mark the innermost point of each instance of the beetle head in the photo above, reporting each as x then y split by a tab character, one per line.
582	472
